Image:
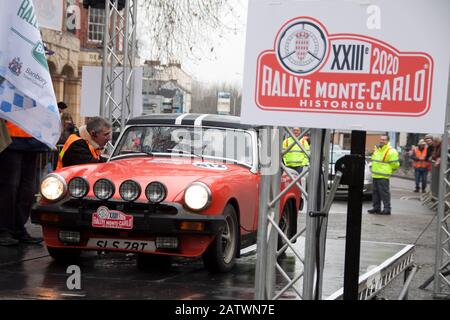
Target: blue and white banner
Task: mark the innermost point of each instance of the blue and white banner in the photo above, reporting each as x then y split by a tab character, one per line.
26	91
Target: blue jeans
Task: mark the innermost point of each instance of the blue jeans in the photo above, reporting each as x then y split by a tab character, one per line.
421	177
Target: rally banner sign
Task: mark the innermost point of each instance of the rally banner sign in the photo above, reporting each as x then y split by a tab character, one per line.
26	90
348	73
332	68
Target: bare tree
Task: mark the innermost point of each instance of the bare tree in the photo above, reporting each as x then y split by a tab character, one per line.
175	29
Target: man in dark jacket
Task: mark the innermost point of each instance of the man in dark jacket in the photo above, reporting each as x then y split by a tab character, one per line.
429	140
86	147
17	186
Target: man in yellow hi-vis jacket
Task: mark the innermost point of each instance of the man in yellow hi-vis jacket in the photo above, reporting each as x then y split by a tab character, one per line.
384	162
296	158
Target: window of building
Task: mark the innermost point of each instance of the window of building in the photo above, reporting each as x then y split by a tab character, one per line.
96	24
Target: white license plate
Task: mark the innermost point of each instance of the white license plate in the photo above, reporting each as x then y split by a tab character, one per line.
122	244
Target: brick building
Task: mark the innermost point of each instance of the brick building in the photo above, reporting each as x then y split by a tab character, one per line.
77	43
165	88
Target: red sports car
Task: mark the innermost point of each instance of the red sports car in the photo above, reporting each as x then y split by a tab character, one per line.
175	185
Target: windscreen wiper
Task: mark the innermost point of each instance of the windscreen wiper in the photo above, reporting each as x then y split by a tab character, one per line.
124	153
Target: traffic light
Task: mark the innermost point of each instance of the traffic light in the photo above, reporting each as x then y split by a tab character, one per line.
100	4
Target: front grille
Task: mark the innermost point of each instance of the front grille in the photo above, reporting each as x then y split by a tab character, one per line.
126	207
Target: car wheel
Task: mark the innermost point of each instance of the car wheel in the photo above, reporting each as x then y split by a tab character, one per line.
221	254
153	262
64	255
286	224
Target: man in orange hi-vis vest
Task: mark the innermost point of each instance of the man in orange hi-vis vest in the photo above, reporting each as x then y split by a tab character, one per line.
87	146
421	164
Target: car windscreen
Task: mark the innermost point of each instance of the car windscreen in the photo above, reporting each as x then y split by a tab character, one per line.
215	143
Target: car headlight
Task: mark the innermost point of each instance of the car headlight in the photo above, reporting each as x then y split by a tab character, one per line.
78	187
130	190
104	189
197	196
53	187
155	192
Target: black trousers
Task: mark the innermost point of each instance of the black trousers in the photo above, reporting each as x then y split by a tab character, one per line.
381	193
298	169
17	189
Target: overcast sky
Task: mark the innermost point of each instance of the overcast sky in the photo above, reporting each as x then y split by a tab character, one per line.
225	62
226	66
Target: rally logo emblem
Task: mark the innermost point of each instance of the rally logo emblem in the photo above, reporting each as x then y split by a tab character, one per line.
103	212
113	219
309	69
15	66
302	46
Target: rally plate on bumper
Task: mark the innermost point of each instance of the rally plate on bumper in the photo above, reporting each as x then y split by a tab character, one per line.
113	219
121	244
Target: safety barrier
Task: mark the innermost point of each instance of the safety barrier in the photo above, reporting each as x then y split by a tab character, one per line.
430	199
434	186
46	163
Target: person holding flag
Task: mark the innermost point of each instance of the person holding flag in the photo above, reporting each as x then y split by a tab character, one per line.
28	106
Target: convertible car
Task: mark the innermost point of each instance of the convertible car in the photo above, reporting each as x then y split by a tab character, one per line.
175	185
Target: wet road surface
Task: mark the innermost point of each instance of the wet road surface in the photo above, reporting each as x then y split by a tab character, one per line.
28	272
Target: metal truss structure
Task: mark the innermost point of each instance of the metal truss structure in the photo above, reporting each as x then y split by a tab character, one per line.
119	52
442	264
275	278
312	265
378	278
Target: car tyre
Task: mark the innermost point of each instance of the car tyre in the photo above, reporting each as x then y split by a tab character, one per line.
286	224
221	254
64	255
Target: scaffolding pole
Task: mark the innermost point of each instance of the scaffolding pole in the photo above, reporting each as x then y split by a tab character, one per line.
442	262
312	220
267	264
119	51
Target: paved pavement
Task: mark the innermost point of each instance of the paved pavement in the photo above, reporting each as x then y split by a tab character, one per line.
410	223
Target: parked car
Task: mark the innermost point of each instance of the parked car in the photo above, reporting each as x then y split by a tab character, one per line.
175	185
335	154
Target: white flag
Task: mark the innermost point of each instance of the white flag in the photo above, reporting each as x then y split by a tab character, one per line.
26	91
